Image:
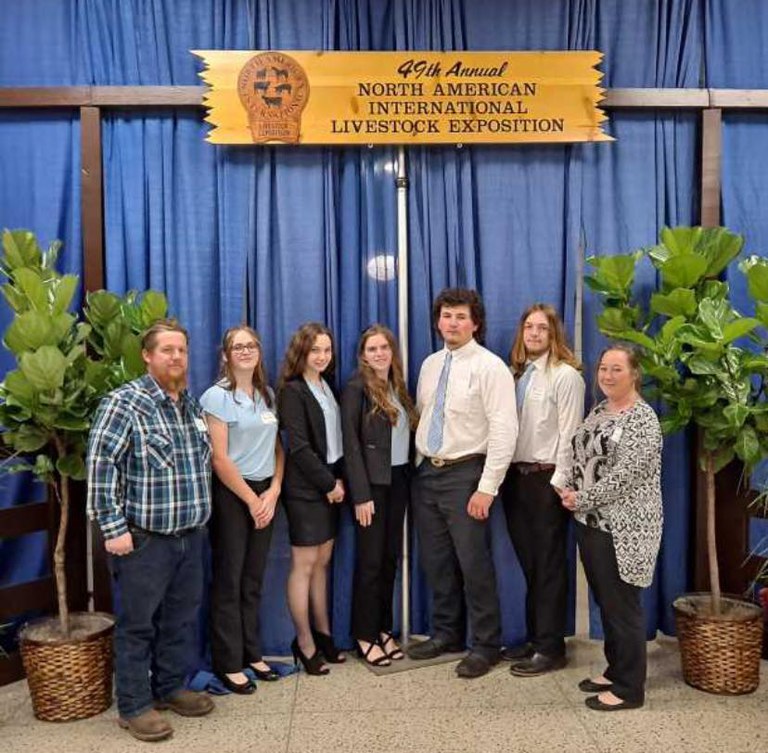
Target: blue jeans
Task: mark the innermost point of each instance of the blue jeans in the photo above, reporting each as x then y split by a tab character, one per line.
161	587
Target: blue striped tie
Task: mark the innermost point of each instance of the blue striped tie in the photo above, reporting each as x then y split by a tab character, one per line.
435	434
522	386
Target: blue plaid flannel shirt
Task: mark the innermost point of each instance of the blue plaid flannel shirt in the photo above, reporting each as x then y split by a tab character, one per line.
149	461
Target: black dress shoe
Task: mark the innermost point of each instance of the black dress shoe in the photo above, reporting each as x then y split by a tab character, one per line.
594	703
241	688
516	653
432	648
268	675
474	665
587	686
538	664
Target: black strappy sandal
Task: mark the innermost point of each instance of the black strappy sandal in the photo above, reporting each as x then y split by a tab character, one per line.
396	654
381	661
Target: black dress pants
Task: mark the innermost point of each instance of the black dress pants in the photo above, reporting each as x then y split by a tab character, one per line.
538	526
239	558
378	549
621	612
456	556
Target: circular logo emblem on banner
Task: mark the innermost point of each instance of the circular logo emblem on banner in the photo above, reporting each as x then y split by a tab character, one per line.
274	90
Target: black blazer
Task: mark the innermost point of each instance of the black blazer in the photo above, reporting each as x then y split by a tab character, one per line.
367	442
307	475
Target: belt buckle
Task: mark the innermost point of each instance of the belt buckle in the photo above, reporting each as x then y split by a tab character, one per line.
437	462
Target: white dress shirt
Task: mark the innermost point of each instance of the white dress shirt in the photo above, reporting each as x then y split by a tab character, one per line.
480	410
552	410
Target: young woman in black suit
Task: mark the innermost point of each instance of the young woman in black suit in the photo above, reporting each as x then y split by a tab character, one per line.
312	488
377	418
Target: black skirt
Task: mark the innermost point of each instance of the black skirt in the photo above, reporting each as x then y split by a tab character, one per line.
312	522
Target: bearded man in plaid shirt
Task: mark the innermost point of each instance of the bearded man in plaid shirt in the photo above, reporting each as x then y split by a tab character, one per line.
149	472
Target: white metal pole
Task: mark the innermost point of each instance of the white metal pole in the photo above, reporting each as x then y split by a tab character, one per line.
402	321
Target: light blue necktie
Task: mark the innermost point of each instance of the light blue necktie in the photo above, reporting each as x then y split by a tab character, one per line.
522	386
435	434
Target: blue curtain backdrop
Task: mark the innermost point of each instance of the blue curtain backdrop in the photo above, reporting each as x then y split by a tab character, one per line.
279	235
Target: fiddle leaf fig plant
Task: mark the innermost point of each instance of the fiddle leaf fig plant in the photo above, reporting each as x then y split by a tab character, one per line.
65	364
707	362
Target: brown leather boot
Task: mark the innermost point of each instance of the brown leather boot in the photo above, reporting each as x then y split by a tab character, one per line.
187	703
149	726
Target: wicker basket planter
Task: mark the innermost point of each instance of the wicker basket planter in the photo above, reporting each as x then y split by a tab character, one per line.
69	678
719	653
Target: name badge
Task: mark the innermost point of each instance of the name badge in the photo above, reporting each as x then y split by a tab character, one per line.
201	425
616	436
268	417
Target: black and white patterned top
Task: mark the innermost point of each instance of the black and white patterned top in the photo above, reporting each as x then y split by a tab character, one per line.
616	472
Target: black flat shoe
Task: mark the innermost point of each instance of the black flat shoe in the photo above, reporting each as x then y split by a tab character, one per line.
313	665
267	675
594	703
328	648
474	665
587	686
379	661
241	688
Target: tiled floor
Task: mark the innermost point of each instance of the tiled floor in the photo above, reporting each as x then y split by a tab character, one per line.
431	711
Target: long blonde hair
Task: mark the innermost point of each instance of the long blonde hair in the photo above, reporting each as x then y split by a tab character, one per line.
227	373
378	392
559	352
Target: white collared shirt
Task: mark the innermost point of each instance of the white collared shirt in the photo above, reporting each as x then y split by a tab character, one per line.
552	410
480	410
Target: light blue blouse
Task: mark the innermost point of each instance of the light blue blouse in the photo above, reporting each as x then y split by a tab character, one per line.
252	429
332	416
401	434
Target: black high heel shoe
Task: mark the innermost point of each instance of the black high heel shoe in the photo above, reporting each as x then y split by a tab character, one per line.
396	653
313	665
241	688
328	648
379	661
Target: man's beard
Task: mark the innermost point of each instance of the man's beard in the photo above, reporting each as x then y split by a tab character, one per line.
172	383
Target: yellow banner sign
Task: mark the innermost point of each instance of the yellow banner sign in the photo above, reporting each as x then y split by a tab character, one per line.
300	97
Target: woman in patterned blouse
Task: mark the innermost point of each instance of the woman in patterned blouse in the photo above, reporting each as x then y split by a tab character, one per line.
614	491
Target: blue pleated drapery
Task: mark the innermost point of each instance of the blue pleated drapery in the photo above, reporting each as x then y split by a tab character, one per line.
281	235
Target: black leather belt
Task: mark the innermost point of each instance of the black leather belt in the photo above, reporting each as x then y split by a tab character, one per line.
172	535
525	468
445	462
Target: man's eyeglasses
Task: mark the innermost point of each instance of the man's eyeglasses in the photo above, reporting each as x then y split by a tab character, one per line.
244	347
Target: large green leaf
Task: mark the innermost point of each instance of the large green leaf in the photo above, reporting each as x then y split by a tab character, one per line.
739	328
29	438
65	291
757	280
720	247
44	368
761	309
701	365
616	321
679	302
61	324
32	287
15	298
153	306
736	414
715	315
17	386
714	289
102	307
680	240
21	249
71	465
28	331
683	271
616	272
747	446
131	351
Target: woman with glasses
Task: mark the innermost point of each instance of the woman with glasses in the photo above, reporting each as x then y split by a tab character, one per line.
309	415
248	463
377	416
